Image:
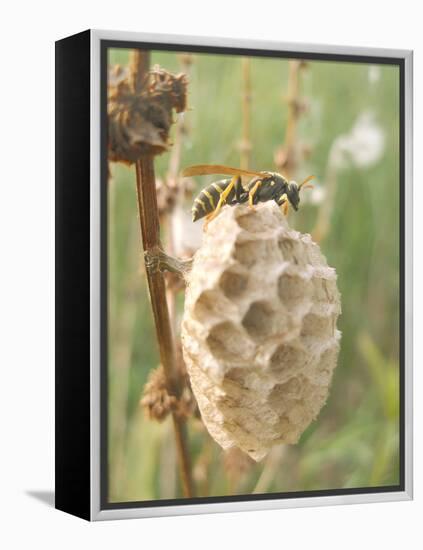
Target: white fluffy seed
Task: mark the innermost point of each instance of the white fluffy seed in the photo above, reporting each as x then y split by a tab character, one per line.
259	329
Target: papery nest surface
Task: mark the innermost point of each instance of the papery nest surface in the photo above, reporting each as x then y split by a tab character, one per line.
259	329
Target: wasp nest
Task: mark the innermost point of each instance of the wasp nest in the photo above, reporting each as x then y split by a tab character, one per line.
259	329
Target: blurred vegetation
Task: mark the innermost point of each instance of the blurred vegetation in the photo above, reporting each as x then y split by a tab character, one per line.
355	440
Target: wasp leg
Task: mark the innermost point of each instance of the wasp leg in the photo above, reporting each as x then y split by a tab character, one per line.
252	192
207	220
284	204
241	195
222	200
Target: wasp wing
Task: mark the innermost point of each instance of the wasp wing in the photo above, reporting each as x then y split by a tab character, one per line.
205	169
306	181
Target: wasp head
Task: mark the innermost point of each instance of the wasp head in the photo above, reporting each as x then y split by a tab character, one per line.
293	193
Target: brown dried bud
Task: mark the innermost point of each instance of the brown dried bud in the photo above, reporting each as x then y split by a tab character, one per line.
186	59
117	75
299	106
244	146
168	191
140	121
166	196
156	400
286	159
171	88
280	157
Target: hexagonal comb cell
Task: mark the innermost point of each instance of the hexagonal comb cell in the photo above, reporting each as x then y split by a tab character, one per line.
254	222
286	360
246	252
227	343
257	252
323	371
317	327
259	362
259	320
324	290
205	305
249	223
233	284
287	355
294	290
292	251
238	374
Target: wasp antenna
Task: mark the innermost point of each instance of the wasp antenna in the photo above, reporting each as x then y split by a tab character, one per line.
305	181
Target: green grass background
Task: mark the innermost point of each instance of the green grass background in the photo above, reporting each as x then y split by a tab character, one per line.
355	440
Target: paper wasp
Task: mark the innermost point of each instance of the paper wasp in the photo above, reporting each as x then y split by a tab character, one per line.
264	186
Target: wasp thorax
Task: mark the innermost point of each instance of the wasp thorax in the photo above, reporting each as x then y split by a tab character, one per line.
259	329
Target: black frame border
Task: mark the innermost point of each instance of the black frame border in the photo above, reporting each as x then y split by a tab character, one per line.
72	275
251	52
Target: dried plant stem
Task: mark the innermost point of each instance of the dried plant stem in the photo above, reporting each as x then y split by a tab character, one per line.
270	469
245	145
150	232
172	176
170	292
292	99
180	129
147	206
286	156
175	155
322	224
139	67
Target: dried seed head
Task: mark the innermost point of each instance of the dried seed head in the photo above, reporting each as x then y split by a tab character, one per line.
140	121
168	87
156	400
185	59
166	196
169	191
259	329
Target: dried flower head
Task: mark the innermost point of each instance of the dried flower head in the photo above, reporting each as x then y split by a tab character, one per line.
166	196
156	400
170	190
140	121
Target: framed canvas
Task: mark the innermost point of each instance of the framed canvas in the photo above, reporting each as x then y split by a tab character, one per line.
233	275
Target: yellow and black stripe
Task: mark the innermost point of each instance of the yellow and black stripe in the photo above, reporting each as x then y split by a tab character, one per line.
206	202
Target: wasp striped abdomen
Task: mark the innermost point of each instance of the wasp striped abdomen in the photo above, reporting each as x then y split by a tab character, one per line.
207	201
